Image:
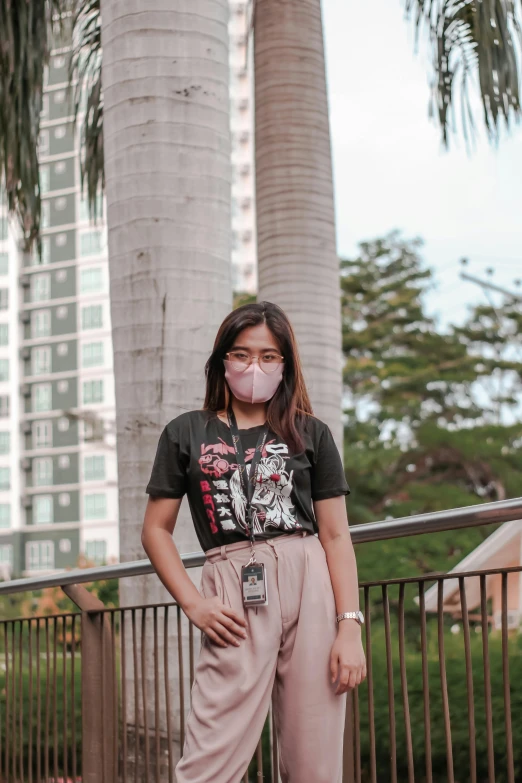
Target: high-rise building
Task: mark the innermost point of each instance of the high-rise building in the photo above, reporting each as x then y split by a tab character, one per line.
58	475
58	469
244	262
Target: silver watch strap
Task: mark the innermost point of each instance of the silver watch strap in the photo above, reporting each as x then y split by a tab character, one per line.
357	616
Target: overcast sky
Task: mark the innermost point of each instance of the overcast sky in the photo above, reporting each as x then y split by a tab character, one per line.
390	169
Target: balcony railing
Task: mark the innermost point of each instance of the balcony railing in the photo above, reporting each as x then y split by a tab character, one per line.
101	695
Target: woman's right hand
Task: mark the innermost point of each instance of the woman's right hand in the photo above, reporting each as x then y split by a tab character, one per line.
222	625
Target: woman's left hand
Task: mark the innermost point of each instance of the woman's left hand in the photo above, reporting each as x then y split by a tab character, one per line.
347	659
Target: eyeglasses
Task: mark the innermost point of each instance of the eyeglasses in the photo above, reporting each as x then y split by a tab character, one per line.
268	362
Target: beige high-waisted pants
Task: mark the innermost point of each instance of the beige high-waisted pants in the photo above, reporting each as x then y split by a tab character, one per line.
287	649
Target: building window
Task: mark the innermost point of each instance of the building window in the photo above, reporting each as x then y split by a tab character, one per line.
6	554
43	434
4	406
45	215
41	323
63	424
3	228
91	280
64	461
41	360
4	369
84	209
41	288
45	106
92	317
4	334
39	555
43	471
5	515
96	552
92	354
94	467
92	392
42	397
43	509
43	142
5	442
91	243
4	298
4	263
44	257
45	179
5	478
95	506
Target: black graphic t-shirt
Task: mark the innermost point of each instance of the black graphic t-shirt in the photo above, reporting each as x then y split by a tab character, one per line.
195	456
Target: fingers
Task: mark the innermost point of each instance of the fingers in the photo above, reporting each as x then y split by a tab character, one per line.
234	616
232	626
213	636
225	634
227	629
334	667
350	677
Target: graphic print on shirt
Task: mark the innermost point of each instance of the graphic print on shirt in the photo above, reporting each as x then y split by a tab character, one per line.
272	500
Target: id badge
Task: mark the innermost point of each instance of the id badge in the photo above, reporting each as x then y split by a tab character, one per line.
253	583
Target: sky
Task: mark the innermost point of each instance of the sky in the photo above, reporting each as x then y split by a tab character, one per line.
391	170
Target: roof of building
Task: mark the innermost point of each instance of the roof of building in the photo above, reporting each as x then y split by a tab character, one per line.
501	549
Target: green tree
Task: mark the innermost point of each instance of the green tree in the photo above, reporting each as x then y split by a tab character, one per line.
422	430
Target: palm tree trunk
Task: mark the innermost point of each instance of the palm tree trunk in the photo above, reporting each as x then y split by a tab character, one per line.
298	264
167	167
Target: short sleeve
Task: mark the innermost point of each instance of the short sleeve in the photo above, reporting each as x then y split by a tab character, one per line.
328	479
168	477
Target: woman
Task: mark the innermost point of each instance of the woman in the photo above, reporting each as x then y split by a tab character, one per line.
262	476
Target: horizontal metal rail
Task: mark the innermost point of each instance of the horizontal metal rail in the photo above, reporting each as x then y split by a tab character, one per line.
417	524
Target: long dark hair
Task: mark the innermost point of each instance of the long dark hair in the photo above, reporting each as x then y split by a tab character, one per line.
290	404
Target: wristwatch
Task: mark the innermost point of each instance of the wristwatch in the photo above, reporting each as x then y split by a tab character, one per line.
357	616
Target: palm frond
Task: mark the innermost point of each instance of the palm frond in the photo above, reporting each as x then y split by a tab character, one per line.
26	32
476	46
86	69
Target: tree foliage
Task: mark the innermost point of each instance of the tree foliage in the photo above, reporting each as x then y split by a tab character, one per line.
25	30
475	49
426	427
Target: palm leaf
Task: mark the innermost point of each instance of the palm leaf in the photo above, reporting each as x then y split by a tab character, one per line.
86	69
26	31
476	47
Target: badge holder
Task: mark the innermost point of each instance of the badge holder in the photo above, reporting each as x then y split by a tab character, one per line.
253	583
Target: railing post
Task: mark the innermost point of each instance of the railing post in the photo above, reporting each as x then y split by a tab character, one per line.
98	714
349	742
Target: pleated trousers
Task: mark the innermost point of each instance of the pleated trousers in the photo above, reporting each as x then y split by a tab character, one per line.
285	657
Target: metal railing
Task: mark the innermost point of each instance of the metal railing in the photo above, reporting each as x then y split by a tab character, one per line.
102	695
414	525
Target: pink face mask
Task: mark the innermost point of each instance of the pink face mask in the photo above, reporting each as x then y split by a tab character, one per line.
253	385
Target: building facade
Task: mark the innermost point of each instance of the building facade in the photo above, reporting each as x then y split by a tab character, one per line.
244	257
58	470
